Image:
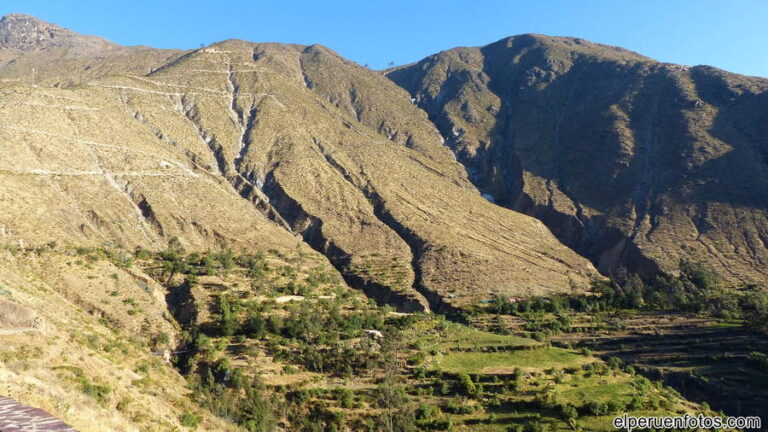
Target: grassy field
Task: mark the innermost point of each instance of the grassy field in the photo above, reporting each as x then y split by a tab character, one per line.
539	358
462	337
596	389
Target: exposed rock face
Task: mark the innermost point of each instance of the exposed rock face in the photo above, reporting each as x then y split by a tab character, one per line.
27	33
61	57
633	163
250	144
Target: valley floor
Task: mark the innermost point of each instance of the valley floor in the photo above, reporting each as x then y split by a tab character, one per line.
277	341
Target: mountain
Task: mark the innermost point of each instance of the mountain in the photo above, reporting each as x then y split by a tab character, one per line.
27	33
251	145
61	57
633	163
234	237
268	150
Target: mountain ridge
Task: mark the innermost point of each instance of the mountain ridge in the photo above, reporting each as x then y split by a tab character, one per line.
578	43
318	146
505	106
469	95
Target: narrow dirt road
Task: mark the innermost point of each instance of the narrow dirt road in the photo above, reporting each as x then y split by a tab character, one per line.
15	417
17	331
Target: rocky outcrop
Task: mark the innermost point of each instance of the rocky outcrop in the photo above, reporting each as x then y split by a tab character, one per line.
35	52
27	33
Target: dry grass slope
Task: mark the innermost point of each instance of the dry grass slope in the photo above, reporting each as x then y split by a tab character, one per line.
250	144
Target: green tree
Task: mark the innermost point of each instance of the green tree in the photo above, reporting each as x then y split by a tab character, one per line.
398	413
173	264
228	324
466	385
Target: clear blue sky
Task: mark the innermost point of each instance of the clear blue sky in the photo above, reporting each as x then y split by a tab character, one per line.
732	35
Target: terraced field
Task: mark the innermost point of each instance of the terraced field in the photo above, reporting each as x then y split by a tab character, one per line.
704	359
277	339
528	382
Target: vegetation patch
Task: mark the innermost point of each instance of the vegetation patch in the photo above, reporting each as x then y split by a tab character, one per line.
506	362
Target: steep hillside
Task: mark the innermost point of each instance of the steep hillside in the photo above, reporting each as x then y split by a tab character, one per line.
83	337
249	145
635	164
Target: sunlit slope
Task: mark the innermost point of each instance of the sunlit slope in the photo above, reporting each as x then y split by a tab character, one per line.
249	144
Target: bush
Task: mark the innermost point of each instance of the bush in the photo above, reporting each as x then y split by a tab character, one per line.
465	384
189	420
163	339
615	406
142	254
427	412
255	326
455	407
529	426
568	412
96	391
614	362
228	324
597	408
345	397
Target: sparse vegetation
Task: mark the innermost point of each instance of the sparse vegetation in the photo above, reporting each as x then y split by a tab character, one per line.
696	290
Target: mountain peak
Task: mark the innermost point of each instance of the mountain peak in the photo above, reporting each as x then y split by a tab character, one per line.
29	33
567	44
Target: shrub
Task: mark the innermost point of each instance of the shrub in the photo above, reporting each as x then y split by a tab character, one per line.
529	426
189	420
228	324
568	412
96	391
455	407
465	384
345	397
255	326
597	408
142	254
614	362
